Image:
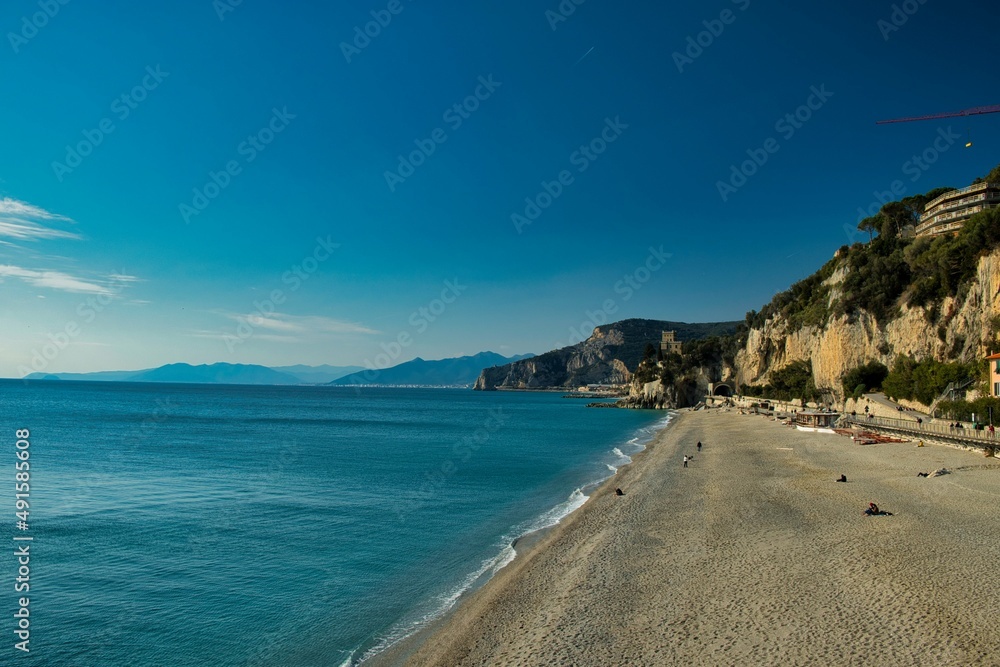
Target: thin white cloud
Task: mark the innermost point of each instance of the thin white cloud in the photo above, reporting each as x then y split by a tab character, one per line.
277	339
329	325
272	322
56	280
288	328
26	222
228	336
214	335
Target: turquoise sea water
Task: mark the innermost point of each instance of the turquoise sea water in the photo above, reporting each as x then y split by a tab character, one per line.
195	525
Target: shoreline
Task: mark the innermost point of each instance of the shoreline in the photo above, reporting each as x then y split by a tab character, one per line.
753	555
525	544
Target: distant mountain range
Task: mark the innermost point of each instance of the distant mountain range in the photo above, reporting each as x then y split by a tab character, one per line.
216	374
317	374
459	371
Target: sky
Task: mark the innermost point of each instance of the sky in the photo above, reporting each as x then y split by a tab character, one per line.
368	181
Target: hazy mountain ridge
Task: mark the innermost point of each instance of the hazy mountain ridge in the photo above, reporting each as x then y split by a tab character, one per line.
457	371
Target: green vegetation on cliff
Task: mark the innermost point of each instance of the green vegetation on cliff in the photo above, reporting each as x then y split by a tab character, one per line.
599	359
868	377
984	408
925	380
793	381
890	270
707	356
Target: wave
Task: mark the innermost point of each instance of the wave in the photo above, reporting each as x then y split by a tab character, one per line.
557	513
507	553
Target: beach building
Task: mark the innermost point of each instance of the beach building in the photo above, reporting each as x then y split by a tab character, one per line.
994	364
819	421
669	343
946	214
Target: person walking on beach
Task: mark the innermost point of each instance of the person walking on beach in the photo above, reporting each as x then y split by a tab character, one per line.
685	461
699	445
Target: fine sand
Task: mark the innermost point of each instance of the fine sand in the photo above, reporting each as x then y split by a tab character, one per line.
753	555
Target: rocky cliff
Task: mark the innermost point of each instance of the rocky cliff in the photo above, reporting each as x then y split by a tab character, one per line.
952	328
609	356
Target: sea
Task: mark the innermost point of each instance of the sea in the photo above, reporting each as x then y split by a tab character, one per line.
244	525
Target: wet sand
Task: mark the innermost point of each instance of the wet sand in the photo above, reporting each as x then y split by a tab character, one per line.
753	555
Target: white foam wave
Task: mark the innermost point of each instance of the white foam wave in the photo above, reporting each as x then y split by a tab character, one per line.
489	567
559	512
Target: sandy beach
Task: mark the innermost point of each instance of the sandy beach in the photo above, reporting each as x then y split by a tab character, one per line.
753	555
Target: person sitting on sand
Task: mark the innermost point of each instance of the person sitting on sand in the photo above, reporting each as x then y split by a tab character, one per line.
843	478
619	492
873	510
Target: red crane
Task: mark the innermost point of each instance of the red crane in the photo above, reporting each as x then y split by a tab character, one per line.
974	111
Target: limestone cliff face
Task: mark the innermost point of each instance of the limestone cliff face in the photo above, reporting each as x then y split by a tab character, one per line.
846	342
684	394
607	357
592	361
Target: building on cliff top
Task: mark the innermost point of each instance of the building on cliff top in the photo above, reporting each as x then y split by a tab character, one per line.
994	364
669	343
947	213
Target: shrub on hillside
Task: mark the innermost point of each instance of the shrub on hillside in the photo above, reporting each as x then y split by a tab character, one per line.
864	378
925	380
963	410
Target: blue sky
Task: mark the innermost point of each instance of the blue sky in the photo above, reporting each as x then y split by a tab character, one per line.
113	261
